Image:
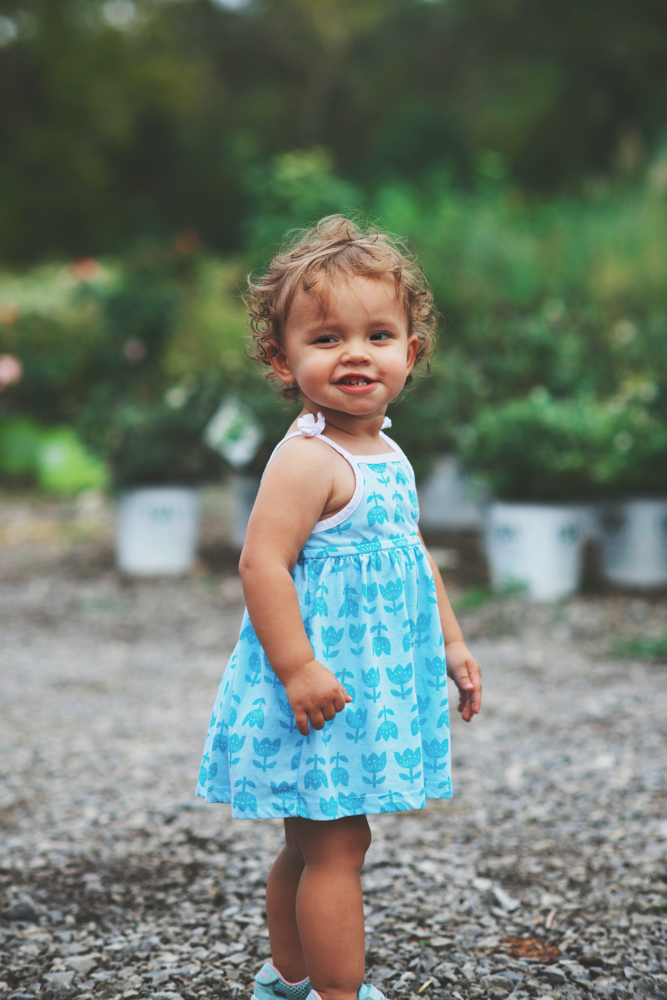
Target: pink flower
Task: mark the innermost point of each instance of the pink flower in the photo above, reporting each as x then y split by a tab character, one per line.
11	370
85	269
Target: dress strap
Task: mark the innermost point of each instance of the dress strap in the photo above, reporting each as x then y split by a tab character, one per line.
309	426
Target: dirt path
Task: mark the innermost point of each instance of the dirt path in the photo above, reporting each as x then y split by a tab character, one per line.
546	875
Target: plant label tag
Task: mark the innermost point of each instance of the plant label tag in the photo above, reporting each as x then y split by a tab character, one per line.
234	432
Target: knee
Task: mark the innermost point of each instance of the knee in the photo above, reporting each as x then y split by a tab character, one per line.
355	845
363	839
343	842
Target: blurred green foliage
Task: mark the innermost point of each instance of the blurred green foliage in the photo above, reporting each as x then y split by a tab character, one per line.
150	116
518	146
563	301
551	372
289	191
539	449
20	440
64	465
650	648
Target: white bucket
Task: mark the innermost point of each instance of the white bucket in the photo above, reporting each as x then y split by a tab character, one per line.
157	531
634	542
244	493
447	498
537	546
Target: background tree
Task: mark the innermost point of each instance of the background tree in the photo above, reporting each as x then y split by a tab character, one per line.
122	118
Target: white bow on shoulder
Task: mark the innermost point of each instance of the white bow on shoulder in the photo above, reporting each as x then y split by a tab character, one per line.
310	427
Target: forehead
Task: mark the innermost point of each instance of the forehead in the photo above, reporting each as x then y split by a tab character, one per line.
333	299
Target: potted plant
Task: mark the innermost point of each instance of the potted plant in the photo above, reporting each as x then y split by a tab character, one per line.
157	462
543	461
633	519
143	421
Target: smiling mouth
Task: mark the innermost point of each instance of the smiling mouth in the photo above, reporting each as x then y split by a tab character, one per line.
355	380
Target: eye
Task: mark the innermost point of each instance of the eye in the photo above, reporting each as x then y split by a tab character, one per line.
380	335
326	338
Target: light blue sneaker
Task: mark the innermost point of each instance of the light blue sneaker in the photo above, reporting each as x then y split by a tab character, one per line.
269	985
369	992
366	992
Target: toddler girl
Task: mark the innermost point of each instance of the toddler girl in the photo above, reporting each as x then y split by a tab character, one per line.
334	702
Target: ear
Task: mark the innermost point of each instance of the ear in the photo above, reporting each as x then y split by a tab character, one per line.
280	364
413	347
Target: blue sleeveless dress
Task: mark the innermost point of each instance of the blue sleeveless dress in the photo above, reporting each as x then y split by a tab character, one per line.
369	608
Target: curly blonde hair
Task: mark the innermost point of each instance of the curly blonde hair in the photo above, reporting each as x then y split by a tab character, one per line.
335	246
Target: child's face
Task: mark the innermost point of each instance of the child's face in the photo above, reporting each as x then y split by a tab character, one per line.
355	354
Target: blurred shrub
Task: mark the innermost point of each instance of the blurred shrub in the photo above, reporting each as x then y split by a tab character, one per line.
51	457
20	439
49	321
561	302
63	465
147	429
576	449
293	190
150	442
492	246
566	298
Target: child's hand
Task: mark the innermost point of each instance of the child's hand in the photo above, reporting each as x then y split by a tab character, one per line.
314	693
464	670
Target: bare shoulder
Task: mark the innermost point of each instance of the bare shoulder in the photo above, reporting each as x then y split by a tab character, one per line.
309	476
296	487
305	459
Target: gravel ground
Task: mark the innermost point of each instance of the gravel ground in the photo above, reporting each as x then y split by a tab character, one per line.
545	875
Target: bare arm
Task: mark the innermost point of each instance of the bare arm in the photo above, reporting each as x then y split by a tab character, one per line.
462	666
296	488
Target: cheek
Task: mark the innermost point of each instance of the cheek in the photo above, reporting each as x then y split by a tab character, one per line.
318	364
399	361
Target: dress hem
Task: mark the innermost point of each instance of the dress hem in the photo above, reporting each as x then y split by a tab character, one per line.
373	807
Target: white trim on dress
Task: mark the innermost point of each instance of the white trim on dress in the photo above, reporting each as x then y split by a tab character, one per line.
309	427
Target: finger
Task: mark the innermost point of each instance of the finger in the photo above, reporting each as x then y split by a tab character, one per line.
459	674
340	700
471	711
464	680
316	719
302	723
464	704
476	676
329	713
473	667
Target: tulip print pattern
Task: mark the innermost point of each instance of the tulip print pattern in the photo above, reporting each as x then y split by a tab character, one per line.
369	610
286	795
402	676
374	764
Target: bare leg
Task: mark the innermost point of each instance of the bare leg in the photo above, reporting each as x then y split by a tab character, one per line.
329	906
281	893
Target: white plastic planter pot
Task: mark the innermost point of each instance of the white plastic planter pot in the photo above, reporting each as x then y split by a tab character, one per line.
448	500
536	546
244	493
634	543
157	531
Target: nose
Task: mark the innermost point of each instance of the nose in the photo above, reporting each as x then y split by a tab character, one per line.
355	352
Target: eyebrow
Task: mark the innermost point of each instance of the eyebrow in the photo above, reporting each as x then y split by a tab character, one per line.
375	323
